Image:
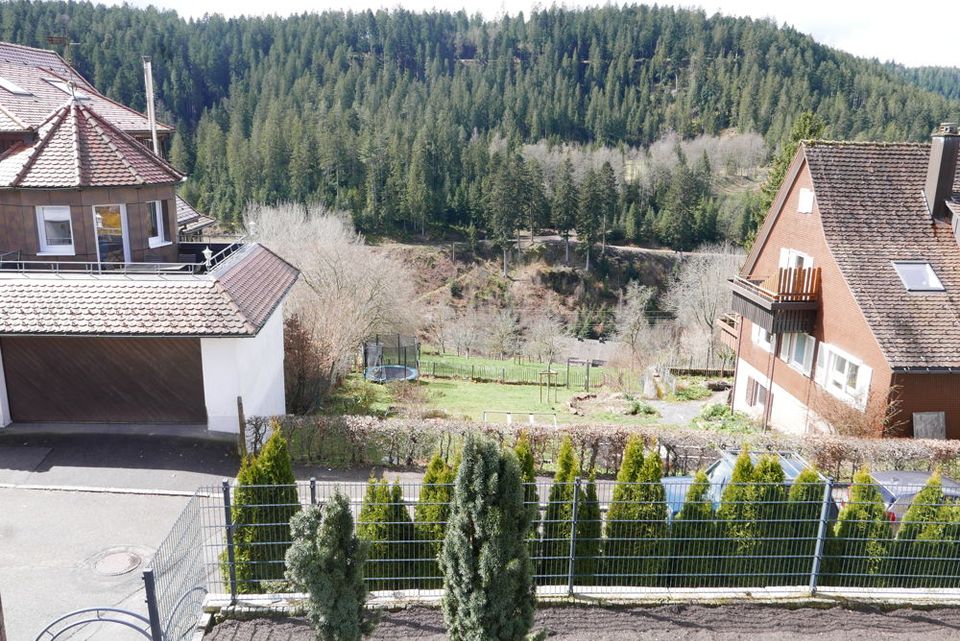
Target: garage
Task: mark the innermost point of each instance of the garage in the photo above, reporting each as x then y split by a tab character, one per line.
103	380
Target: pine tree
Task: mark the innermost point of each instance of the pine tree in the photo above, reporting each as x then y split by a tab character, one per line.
565	205
326	561
609	198
557	525
738	520
861	540
430	517
588	213
488	576
694	538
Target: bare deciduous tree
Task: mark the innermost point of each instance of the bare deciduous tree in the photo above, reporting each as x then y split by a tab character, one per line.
543	338
633	324
347	292
503	332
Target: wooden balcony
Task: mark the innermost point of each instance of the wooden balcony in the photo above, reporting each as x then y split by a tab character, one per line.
786	301
728	330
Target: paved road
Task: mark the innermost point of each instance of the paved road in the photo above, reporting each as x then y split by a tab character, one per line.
116	493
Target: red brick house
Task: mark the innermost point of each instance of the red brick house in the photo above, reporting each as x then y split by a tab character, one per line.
850	297
106	313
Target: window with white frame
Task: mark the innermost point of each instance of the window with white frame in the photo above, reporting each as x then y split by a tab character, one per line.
843	375
805	201
918	276
794	259
55	230
762	337
158	223
796	349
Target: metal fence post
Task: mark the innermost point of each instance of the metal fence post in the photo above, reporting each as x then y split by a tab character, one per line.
571	563
821	536
231	559
153	611
313	490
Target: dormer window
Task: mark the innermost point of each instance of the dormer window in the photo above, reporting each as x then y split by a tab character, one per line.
13	87
918	276
64	86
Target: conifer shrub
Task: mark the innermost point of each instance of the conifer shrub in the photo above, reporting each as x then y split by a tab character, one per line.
263	502
326	561
773	526
804	507
531	499
385	524
911	558
589	535
558	524
737	515
488	576
430	519
636	541
861	541
937	557
693	538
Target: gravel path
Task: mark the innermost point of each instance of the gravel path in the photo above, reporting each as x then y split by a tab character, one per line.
746	622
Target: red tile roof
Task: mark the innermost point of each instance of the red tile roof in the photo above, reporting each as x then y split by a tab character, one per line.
76	147
871	202
235	299
189	219
33	70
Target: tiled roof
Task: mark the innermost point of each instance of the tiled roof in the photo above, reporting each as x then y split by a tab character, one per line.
235	299
189	219
76	147
33	70
870	197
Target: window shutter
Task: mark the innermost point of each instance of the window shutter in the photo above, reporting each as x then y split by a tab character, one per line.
751	392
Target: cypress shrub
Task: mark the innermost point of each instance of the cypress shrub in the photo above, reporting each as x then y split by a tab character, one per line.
430	516
738	522
939	565
531	499
557	526
326	561
909	561
486	567
636	522
773	526
861	538
386	525
694	538
589	535
804	505
263	503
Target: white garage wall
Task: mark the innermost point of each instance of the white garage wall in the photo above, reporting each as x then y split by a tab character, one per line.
4	403
251	368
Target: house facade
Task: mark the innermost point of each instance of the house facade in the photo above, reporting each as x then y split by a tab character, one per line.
847	309
107	315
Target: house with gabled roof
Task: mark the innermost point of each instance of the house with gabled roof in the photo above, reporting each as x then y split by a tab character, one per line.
107	313
851	292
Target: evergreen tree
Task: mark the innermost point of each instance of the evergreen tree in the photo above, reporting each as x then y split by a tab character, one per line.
694	538
738	522
430	517
609	199
589	535
565	205
909	555
326	561
557	526
386	525
773	525
488	576
804	507
861	540
588	213
505	204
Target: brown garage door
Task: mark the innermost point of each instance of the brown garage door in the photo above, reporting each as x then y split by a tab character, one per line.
108	380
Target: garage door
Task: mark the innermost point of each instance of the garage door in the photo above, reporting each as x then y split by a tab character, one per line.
114	380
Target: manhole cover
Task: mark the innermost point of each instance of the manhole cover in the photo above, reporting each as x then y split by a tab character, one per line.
117	563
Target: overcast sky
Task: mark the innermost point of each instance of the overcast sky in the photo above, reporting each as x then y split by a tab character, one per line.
914	33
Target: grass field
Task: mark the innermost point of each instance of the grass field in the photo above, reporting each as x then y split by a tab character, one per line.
509	370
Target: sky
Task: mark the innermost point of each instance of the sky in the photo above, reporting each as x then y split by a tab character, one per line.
879	29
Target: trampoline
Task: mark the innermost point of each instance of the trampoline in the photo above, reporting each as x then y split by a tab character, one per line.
389	373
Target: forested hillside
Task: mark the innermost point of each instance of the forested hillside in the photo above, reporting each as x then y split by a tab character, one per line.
424	122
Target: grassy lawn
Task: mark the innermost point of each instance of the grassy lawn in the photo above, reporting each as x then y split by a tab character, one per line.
451	365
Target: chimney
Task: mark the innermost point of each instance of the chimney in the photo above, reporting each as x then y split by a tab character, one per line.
152	118
941	170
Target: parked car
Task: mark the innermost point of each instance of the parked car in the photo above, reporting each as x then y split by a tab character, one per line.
898	489
721	471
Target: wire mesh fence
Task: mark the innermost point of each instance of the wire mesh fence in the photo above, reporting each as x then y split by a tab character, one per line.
609	537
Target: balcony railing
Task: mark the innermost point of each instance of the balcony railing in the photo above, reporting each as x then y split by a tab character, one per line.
785	286
728	330
192	261
787	301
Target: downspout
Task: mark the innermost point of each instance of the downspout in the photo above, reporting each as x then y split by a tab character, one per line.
768	406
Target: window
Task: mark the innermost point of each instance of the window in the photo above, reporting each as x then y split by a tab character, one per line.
756	393
797	350
14	88
843	375
805	202
64	86
794	259
158	220
55	230
918	276
762	337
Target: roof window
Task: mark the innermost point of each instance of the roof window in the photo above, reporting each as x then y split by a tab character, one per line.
13	87
918	276
64	86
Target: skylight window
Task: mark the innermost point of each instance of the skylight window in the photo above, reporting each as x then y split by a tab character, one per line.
13	87
64	86
918	276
